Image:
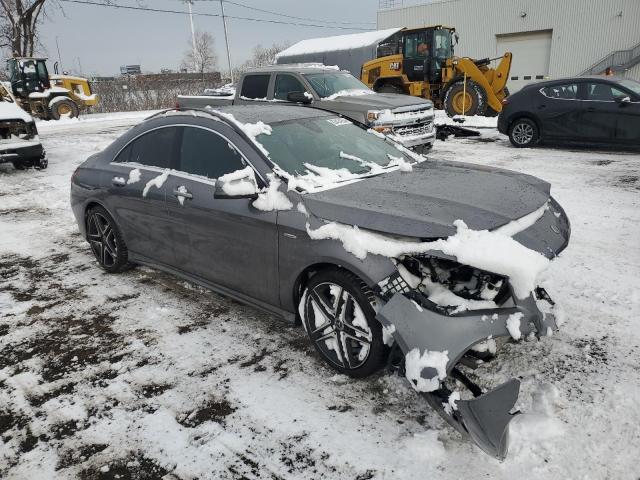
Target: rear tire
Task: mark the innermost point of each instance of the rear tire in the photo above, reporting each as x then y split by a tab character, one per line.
106	241
390	88
339	318
475	101
523	133
19	165
63	107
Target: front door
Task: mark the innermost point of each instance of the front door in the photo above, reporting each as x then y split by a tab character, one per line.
231	243
416	50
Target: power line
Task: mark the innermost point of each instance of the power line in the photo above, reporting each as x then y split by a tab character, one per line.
159	10
292	16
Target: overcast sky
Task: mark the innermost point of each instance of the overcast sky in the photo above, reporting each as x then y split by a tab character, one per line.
102	38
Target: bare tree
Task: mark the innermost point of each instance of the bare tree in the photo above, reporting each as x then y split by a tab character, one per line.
18	26
261	57
203	58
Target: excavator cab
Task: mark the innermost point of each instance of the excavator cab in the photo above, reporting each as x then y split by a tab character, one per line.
28	75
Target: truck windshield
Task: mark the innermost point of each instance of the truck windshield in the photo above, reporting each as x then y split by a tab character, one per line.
327	84
314	145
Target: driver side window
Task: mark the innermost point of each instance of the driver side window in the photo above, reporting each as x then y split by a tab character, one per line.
286	84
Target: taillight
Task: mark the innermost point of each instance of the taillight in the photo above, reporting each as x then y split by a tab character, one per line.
505	100
177	106
75	174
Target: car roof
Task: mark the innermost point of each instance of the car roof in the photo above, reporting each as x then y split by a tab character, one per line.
266	113
296	67
583	78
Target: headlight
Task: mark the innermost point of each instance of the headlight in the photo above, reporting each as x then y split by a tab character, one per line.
448	285
372	115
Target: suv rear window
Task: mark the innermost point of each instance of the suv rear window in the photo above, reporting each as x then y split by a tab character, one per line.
255	86
567	91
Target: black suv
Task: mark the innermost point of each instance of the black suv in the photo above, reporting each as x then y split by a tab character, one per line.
582	110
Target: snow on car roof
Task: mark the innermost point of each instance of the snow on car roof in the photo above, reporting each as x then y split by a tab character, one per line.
338	42
272	113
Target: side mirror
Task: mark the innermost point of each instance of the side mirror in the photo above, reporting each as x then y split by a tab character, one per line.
238	184
623	100
300	97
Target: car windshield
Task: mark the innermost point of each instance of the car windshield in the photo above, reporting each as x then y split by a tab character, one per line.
331	147
631	85
327	84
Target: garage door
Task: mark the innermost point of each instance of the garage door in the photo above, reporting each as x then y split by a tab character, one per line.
531	53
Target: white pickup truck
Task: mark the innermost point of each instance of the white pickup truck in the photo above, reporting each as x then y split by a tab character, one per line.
408	120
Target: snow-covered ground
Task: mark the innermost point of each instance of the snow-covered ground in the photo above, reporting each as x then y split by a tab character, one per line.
142	375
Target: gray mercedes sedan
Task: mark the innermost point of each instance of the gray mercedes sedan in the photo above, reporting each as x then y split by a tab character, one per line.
384	256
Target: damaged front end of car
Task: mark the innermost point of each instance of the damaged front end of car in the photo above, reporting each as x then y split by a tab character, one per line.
444	317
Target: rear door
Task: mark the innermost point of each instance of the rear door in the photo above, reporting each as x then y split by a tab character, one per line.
254	88
136	192
231	243
558	108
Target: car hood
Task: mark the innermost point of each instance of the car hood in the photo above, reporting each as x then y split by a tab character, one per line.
11	111
425	203
374	101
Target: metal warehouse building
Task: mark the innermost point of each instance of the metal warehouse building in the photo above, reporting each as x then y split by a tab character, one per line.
548	38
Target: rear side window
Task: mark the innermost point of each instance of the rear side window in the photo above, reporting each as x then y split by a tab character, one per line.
567	91
153	149
604	92
207	154
286	84
255	86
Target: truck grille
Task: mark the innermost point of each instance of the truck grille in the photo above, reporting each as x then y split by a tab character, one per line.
415	129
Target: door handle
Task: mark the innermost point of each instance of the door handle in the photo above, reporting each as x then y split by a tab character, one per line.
183	193
118	181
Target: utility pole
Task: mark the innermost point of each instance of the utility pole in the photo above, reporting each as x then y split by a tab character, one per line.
193	36
59	59
226	40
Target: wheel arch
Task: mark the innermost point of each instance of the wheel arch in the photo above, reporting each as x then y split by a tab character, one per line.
524	114
396	81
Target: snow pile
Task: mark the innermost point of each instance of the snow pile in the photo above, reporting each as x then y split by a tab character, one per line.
425	447
387	334
183	190
490	251
516	226
134	176
416	363
403	165
336	43
353	92
227	90
372	166
157	182
11	111
272	198
513	325
240	182
451	404
252	130
489	345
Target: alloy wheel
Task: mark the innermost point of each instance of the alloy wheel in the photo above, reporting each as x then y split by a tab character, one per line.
338	326
522	133
102	239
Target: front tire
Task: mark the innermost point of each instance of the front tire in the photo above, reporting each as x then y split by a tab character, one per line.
470	101
339	318
523	133
63	107
106	241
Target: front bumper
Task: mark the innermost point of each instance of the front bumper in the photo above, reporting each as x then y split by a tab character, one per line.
484	419
21	151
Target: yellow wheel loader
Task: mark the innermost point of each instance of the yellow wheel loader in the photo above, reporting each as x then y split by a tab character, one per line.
44	96
420	62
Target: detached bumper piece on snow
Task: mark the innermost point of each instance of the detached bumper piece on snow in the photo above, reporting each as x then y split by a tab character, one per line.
415	325
445	131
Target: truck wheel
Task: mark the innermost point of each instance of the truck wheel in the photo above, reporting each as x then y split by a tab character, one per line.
473	100
62	107
20	165
524	132
390	88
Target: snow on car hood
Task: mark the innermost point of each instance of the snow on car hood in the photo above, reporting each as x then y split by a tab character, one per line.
426	203
376	101
11	111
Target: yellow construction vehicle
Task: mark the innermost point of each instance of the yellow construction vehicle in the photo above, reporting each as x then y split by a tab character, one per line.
420	62
44	96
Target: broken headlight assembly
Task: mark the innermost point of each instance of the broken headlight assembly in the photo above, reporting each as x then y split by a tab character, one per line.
446	286
18	130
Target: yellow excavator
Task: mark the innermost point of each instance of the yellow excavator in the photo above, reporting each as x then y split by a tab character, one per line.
420	62
44	96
